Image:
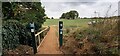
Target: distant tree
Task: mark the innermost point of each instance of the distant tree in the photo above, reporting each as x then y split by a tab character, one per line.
73	14
46	17
70	15
63	15
52	18
67	15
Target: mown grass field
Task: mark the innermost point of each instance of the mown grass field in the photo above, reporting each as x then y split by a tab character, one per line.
68	23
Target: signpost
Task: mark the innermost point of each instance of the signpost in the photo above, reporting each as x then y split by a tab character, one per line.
60	33
32	27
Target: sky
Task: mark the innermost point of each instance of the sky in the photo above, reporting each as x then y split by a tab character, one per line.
86	8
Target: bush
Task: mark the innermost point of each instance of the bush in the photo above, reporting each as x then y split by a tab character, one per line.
13	34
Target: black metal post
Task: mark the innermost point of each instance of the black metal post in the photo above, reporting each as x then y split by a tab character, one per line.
60	33
33	38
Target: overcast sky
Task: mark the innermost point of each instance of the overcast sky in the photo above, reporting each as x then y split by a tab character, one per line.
86	8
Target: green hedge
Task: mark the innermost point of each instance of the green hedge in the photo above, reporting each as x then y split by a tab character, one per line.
14	33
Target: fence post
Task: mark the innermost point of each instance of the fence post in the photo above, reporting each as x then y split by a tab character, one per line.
33	37
39	38
60	33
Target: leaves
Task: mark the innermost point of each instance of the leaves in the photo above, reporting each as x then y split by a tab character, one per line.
14	33
24	12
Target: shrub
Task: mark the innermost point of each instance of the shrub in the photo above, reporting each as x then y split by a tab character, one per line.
13	34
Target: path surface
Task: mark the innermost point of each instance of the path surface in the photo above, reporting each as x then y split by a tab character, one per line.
50	43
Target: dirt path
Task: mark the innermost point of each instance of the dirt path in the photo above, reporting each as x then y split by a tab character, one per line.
50	43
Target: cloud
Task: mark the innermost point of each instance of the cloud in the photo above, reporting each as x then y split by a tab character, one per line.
119	8
79	0
85	9
78	3
69	0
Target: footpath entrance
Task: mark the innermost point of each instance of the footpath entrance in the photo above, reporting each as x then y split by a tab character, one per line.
50	43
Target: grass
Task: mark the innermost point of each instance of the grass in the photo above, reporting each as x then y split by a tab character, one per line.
68	23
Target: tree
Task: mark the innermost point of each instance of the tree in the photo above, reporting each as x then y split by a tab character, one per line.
24	12
63	15
52	18
74	14
70	15
46	17
16	19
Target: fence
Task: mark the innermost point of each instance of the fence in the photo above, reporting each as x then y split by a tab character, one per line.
38	38
41	35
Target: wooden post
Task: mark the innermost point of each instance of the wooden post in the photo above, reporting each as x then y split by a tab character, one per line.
33	38
39	38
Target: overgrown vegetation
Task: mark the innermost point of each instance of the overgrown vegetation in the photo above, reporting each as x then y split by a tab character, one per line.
99	39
